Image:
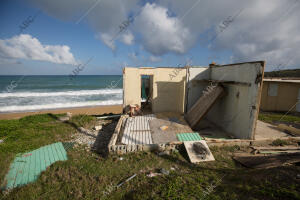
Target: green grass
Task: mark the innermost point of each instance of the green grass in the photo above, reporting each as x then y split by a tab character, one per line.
273	117
279	142
30	133
86	175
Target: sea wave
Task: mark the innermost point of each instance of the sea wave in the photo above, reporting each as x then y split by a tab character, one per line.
65	93
58	105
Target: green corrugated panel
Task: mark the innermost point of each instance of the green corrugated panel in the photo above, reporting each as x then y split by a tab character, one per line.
28	166
188	137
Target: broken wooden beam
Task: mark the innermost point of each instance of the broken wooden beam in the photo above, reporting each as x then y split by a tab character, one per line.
260	162
293	131
284	148
279	152
203	105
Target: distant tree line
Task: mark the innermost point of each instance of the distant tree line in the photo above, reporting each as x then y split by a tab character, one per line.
284	73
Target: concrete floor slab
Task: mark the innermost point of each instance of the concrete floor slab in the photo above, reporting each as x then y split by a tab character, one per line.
169	135
268	131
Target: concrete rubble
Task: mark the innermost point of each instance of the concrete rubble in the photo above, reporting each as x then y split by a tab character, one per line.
85	137
97	128
65	118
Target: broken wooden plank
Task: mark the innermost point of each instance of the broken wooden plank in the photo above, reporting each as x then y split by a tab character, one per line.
194	156
279	152
293	131
203	105
284	148
260	162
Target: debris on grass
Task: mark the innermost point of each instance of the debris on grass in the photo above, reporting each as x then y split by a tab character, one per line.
27	167
153	174
198	153
261	162
128	179
110	188
97	128
164	153
85	137
64	118
159	172
164	171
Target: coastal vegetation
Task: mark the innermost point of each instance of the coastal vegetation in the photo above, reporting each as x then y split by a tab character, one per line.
88	175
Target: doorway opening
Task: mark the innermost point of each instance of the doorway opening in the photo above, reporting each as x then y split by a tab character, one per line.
146	93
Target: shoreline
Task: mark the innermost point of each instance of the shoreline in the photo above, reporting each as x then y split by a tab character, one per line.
88	110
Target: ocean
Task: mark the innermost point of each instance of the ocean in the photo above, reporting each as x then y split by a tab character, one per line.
32	93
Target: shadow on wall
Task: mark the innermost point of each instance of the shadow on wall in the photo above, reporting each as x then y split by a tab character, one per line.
170	96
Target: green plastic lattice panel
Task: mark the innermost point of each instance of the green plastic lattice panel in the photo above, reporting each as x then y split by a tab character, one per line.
188	137
27	167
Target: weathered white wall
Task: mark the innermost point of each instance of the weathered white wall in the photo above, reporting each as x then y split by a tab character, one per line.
195	86
237	111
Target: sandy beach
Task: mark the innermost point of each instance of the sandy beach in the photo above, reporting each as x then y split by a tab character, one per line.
95	110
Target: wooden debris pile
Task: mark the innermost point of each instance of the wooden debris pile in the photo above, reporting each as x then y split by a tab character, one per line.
270	156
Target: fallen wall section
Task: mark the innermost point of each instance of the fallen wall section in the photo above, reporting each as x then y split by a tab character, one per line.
237	112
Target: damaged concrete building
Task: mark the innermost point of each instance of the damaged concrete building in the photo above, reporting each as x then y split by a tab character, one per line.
219	101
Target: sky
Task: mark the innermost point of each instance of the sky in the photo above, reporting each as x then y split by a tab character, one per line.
54	37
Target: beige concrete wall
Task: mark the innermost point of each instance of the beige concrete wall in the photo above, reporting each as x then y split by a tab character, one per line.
131	86
168	88
286	98
237	112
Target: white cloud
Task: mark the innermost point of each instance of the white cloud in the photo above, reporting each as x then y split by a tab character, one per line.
27	47
265	30
108	40
104	16
127	38
162	33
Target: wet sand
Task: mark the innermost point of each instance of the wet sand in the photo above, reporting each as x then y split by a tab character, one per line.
95	110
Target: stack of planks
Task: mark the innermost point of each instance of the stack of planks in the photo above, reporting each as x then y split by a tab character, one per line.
270	156
260	162
276	150
203	105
